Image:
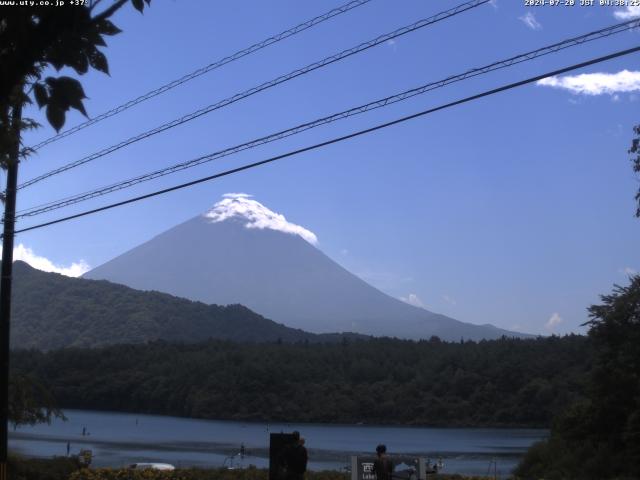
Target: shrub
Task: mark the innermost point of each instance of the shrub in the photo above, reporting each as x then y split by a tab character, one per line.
57	468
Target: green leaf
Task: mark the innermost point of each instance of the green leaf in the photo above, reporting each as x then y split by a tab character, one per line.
79	63
138	5
94	37
69	88
41	94
78	105
56	116
98	60
106	27
51	81
29	124
65	93
56	62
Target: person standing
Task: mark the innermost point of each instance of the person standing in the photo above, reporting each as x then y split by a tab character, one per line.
382	466
296	458
68	448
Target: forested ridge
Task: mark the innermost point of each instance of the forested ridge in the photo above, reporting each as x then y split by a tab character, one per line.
508	382
53	311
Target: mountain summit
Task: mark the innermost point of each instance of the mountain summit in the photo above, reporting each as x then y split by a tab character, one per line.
242	252
253	214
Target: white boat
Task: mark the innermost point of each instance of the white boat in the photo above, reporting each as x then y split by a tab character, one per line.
152	466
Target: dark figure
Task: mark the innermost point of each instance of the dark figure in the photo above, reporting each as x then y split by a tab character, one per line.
84	431
242	450
382	466
68	448
295	459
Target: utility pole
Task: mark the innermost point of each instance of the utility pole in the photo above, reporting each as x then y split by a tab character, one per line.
6	279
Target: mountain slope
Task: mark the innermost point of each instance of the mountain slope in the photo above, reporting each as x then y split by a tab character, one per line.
241	252
53	311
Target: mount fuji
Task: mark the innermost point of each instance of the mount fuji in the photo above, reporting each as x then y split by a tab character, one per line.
240	252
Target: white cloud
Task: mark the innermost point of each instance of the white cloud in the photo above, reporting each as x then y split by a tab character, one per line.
413	299
393	44
449	299
257	216
494	4
627	13
554	320
41	263
596	83
529	19
628	271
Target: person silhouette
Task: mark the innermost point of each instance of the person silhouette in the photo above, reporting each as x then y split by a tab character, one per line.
296	458
382	466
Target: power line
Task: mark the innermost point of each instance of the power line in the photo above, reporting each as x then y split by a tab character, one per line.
264	86
71	200
201	71
337	139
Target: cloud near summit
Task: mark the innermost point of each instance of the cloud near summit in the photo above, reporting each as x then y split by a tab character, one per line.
256	216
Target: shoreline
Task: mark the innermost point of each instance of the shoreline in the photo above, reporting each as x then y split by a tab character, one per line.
327	423
118	439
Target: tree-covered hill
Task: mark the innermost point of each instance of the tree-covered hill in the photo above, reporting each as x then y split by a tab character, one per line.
598	437
508	382
53	311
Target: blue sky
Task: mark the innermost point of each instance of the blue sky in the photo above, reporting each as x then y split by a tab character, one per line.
515	210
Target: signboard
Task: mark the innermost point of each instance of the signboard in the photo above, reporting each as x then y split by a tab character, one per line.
404	467
278	442
85	457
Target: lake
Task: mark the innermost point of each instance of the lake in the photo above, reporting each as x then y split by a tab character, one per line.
119	439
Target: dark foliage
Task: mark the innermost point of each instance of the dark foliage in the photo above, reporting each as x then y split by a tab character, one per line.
508	382
57	468
599	437
214	474
35	37
60	468
30	402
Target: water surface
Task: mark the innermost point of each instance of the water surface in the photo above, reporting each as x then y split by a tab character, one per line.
119	439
